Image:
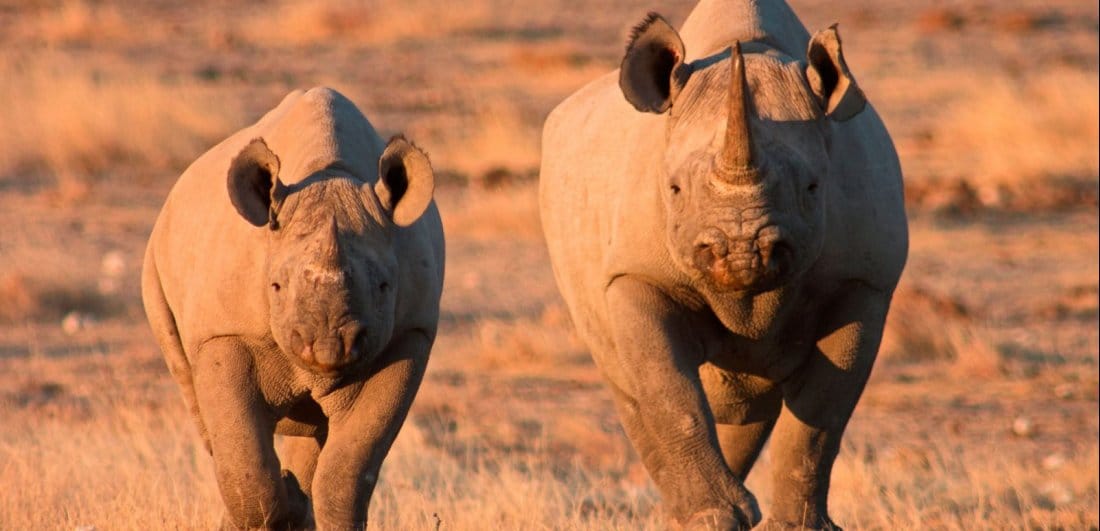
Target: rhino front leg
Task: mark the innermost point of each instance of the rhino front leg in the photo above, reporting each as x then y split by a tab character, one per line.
818	401
654	365
360	436
241	434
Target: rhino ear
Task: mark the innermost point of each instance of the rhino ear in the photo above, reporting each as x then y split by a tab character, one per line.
653	70
830	79
253	180
405	181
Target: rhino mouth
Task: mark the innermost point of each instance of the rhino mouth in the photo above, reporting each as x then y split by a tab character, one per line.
329	353
745	267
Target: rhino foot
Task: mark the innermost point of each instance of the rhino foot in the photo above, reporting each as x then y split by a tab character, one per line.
776	525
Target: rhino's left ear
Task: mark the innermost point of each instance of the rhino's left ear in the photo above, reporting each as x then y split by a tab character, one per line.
253	183
653	69
405	181
830	79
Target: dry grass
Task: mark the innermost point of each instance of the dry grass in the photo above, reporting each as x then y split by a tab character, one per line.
484	213
76	120
78	22
1021	129
128	459
374	22
938	486
1026	142
924	327
495	136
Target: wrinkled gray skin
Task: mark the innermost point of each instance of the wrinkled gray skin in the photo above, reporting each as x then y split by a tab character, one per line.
728	237
293	282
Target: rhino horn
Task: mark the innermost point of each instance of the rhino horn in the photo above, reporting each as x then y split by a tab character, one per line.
736	159
328	252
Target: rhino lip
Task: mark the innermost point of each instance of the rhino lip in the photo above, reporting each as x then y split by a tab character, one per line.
753	269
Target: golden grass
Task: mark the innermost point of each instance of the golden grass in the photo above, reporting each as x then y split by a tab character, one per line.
1018	129
78	22
509	211
101	442
296	23
76	120
495	135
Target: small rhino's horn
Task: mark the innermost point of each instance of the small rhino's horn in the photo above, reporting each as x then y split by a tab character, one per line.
329	249
736	159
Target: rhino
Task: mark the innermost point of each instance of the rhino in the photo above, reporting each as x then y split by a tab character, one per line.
292	281
727	229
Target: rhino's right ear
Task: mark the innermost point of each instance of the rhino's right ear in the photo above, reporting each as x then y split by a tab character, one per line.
405	181
653	70
253	177
830	79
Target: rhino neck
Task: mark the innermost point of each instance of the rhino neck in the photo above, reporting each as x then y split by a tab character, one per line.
754	316
714	24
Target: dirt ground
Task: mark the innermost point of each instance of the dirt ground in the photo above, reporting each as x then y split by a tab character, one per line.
982	412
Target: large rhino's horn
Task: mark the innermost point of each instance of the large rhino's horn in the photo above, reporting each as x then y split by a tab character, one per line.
736	164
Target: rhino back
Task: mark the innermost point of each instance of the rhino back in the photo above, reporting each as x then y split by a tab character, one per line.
210	260
714	24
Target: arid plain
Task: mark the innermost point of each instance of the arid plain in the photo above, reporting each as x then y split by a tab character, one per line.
982	412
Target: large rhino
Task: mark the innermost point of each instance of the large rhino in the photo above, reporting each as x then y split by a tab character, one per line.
292	281
728	237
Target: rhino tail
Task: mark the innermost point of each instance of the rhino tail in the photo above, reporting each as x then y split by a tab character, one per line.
163	324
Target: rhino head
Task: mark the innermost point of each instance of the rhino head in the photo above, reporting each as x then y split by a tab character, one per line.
331	268
745	172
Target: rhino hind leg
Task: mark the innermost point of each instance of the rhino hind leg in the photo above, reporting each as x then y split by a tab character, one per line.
745	409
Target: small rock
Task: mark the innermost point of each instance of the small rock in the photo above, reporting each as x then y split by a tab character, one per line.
1058	492
1054	461
1065	391
113	264
74	322
1023	427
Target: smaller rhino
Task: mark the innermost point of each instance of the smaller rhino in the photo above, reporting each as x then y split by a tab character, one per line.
292	281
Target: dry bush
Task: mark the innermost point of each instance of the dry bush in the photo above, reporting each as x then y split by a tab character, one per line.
1022	143
296	23
76	121
923	326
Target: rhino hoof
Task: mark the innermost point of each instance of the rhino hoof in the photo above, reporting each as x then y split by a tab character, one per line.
721	520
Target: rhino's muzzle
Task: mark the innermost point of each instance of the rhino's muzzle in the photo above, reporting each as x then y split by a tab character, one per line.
744	264
329	352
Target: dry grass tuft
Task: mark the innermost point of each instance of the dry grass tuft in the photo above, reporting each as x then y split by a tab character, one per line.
75	121
373	22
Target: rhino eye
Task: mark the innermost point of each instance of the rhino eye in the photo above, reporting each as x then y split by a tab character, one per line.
275	287
812	188
675	188
384	287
